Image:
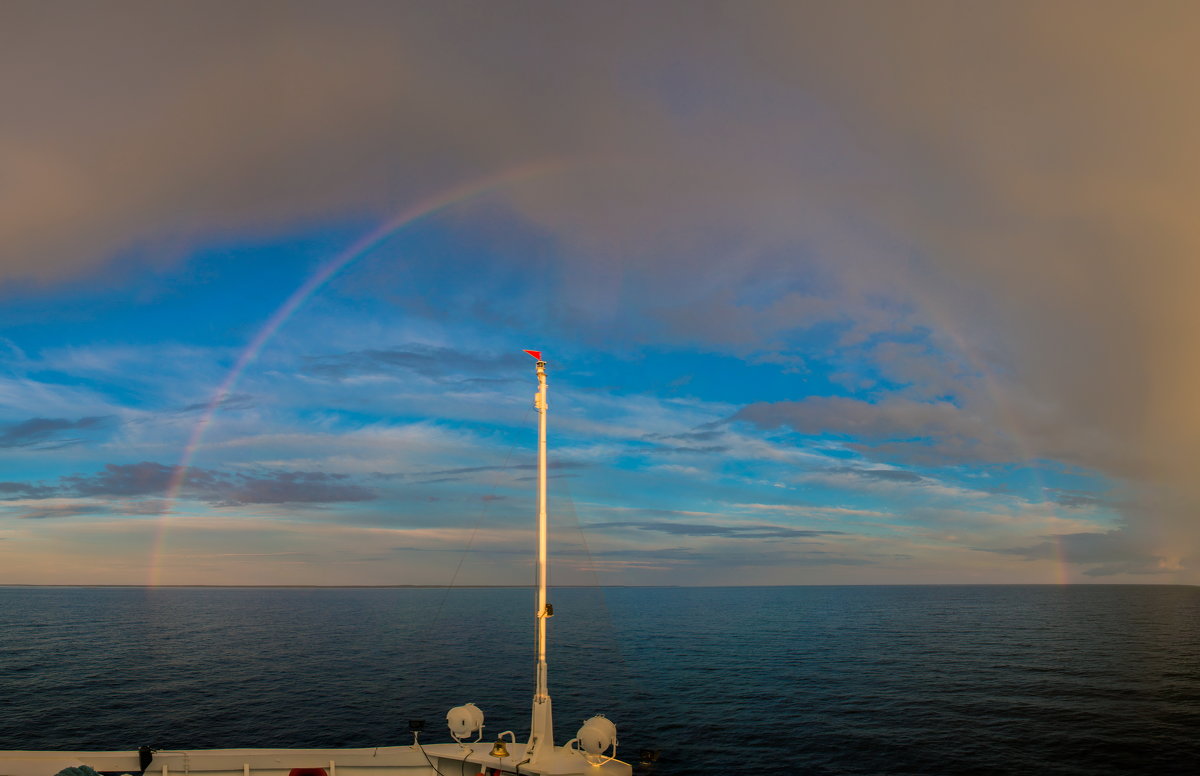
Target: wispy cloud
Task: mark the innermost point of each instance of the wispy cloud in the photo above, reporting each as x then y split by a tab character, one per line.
887	475
723	531
1106	554
50	511
50	433
216	487
234	401
439	364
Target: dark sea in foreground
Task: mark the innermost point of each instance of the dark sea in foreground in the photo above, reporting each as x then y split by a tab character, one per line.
804	680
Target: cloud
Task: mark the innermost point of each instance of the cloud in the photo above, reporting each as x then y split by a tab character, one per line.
549	477
218	488
1075	499
511	467
887	475
893	429
47	433
692	449
730	561
1109	553
234	401
138	479
889	419
723	531
1151	566
63	510
813	510
292	488
22	490
690	442
704	434
1013	177
459	474
436	363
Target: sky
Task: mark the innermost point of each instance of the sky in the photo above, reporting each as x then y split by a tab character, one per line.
831	293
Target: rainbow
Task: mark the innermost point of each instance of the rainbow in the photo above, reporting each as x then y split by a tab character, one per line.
296	300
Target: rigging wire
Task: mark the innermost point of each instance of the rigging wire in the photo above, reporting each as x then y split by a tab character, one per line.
602	599
483	512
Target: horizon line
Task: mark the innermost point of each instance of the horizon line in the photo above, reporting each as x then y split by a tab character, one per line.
564	587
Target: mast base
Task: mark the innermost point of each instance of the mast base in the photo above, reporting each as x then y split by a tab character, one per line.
541	732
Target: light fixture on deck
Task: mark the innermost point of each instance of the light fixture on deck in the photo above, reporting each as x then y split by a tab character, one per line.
465	720
596	736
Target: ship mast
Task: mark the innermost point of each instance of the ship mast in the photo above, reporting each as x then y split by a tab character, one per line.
541	732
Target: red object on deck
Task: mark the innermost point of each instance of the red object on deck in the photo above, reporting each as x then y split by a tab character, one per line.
307	772
535	353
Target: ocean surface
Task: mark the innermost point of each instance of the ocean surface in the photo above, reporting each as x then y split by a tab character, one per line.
789	680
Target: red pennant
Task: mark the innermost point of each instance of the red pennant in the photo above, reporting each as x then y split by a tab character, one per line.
535	353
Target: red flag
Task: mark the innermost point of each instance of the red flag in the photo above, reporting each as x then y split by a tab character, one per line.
535	353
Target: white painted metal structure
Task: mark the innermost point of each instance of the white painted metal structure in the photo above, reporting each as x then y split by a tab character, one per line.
584	755
541	729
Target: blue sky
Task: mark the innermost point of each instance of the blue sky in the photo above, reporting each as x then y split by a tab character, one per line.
811	317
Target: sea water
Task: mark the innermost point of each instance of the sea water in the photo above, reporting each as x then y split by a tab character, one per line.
804	680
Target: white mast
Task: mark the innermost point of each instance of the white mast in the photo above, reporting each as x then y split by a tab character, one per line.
541	732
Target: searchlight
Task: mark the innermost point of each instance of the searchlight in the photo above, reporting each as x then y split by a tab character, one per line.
464	721
597	736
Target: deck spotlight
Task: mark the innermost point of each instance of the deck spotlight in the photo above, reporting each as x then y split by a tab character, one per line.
465	720
595	738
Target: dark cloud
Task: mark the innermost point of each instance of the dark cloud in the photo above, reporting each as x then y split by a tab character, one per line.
457	474
63	510
1108	554
234	401
702	435
49	433
898	429
549	477
1141	567
690	441
219	488
139	479
290	488
464	470
18	490
888	419
1075	499
770	555
686	554
894	429
724	531
440	364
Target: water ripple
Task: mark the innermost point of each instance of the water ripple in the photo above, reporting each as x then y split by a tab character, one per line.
834	680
